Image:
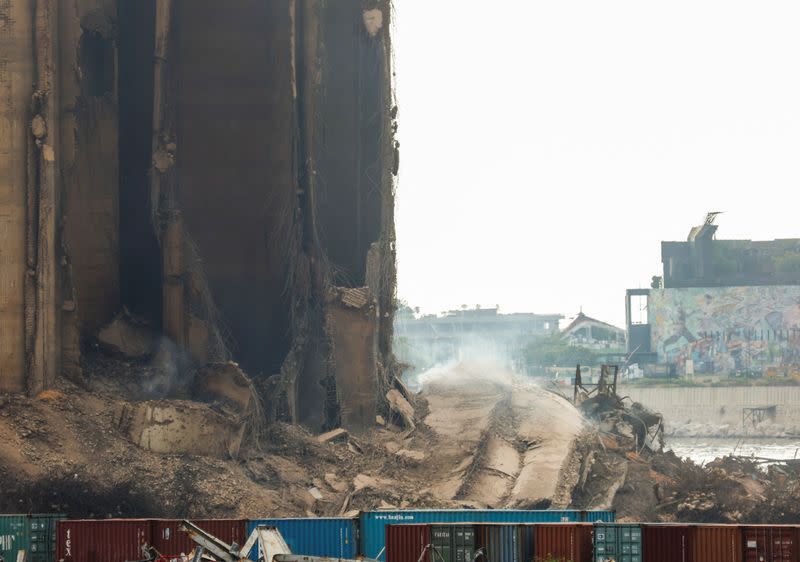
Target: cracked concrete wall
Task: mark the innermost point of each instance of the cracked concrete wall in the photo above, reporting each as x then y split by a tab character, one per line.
90	158
352	325
278	184
16	77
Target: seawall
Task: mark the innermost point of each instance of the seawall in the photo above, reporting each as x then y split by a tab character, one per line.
720	406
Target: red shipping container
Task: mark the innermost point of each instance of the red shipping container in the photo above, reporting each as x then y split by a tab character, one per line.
405	543
168	539
717	543
569	542
667	543
766	543
106	540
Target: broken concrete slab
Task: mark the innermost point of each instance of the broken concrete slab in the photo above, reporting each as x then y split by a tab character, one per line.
127	336
335	483
363	481
181	427
338	434
373	21
402	407
225	382
408	454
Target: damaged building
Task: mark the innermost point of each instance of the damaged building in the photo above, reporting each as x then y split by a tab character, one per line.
218	173
721	307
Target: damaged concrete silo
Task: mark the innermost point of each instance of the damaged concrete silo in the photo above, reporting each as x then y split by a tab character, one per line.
223	170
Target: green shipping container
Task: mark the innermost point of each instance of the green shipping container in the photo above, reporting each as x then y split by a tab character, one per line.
452	543
617	543
35	534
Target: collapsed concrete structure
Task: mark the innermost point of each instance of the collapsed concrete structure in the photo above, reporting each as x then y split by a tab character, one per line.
223	170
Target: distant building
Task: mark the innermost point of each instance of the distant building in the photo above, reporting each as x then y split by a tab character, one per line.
595	334
468	333
704	261
722	306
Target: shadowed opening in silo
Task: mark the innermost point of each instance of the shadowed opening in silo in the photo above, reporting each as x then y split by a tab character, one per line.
140	253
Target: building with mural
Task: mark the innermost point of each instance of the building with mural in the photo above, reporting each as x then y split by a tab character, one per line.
721	307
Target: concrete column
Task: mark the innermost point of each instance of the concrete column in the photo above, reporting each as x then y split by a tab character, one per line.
45	364
16	76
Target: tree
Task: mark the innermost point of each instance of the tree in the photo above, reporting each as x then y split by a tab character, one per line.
552	350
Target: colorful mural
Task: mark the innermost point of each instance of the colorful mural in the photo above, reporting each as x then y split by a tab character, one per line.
727	329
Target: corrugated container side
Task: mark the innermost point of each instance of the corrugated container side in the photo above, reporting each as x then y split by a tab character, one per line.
505	543
565	542
14	535
34	534
598	516
667	543
373	523
108	540
405	543
617	542
717	543
463	543
335	537
442	541
770	543
42	537
168	539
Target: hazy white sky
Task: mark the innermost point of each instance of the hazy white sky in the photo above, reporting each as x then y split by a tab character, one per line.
548	147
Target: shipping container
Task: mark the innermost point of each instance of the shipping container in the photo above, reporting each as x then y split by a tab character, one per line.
169	540
106	540
667	543
505	543
598	516
335	537
35	534
373	523
42	537
406	543
463	543
717	543
617	543
770	543
564	542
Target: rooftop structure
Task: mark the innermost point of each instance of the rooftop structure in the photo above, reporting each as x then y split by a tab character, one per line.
704	261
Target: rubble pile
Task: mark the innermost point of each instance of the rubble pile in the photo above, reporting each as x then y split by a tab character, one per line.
625	467
102	445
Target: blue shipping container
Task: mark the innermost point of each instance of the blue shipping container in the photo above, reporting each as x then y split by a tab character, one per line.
597	516
506	543
335	537
373	523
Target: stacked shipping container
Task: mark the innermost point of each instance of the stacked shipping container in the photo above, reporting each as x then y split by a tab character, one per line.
498	543
576	542
373	523
47	538
35	534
